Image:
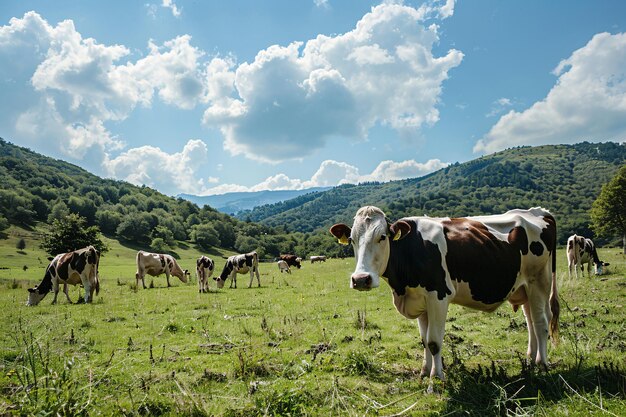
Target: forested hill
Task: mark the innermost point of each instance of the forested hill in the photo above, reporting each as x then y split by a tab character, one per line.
565	179
35	190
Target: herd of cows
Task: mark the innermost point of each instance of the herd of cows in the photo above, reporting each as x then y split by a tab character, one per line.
477	262
81	267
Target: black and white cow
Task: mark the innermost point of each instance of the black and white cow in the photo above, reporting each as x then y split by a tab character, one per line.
239	264
581	251
155	264
204	270
477	262
77	267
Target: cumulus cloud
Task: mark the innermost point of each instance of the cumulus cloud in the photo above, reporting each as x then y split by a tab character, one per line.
588	102
80	85
169	173
332	173
291	99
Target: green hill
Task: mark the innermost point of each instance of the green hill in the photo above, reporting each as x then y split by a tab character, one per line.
565	179
35	190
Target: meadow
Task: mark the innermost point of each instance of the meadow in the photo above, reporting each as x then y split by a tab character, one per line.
301	344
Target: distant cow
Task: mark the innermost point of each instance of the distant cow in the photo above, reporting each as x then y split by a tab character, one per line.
77	267
283	267
155	264
204	270
477	262
581	251
239	264
317	259
292	260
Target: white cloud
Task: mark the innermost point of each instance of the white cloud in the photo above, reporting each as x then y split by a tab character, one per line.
332	173
169	173
499	106
80	85
291	99
588	102
172	6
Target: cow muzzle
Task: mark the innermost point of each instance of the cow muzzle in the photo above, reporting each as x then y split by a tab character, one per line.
361	282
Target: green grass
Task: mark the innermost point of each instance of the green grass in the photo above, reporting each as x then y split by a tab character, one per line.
302	344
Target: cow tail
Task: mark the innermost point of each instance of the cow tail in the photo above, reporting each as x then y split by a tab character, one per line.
554	297
98	275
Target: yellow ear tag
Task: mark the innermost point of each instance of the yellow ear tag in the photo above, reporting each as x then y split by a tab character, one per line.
343	240
398	235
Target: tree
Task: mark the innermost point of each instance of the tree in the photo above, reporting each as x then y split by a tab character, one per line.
4	223
205	236
71	233
21	244
608	212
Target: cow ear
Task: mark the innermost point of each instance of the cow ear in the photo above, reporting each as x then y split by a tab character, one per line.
341	232
400	229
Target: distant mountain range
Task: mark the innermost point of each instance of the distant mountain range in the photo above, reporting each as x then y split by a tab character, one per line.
234	203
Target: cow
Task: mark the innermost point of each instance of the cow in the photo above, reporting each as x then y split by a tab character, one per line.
292	260
317	259
155	264
477	262
77	267
283	267
239	264
581	251
204	269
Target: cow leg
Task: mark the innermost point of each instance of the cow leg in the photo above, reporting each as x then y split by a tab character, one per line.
167	277
436	311
531	353
55	288
538	300
569	270
427	364
66	291
258	280
233	279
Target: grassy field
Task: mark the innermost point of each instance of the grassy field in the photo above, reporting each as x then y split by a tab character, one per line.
302	344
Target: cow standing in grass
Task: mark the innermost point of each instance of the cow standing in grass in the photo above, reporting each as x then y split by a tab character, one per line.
581	251
77	267
477	262
204	270
239	264
155	264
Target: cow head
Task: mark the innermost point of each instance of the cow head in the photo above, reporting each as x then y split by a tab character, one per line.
601	268
34	296
219	281
370	237
185	277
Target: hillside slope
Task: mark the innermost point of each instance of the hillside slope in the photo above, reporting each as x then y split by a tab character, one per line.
565	179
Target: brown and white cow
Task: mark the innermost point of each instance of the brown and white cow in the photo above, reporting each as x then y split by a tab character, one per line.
477	262
292	260
317	259
581	251
239	264
283	266
155	264
204	270
77	267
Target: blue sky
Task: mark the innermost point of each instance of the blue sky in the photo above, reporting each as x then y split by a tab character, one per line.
208	97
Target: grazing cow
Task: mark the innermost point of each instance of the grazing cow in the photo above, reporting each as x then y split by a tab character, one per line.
155	264
77	267
581	251
283	267
239	264
317	259
204	269
477	262
292	260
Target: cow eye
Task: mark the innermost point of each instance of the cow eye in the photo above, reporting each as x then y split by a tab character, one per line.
382	237
350	240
